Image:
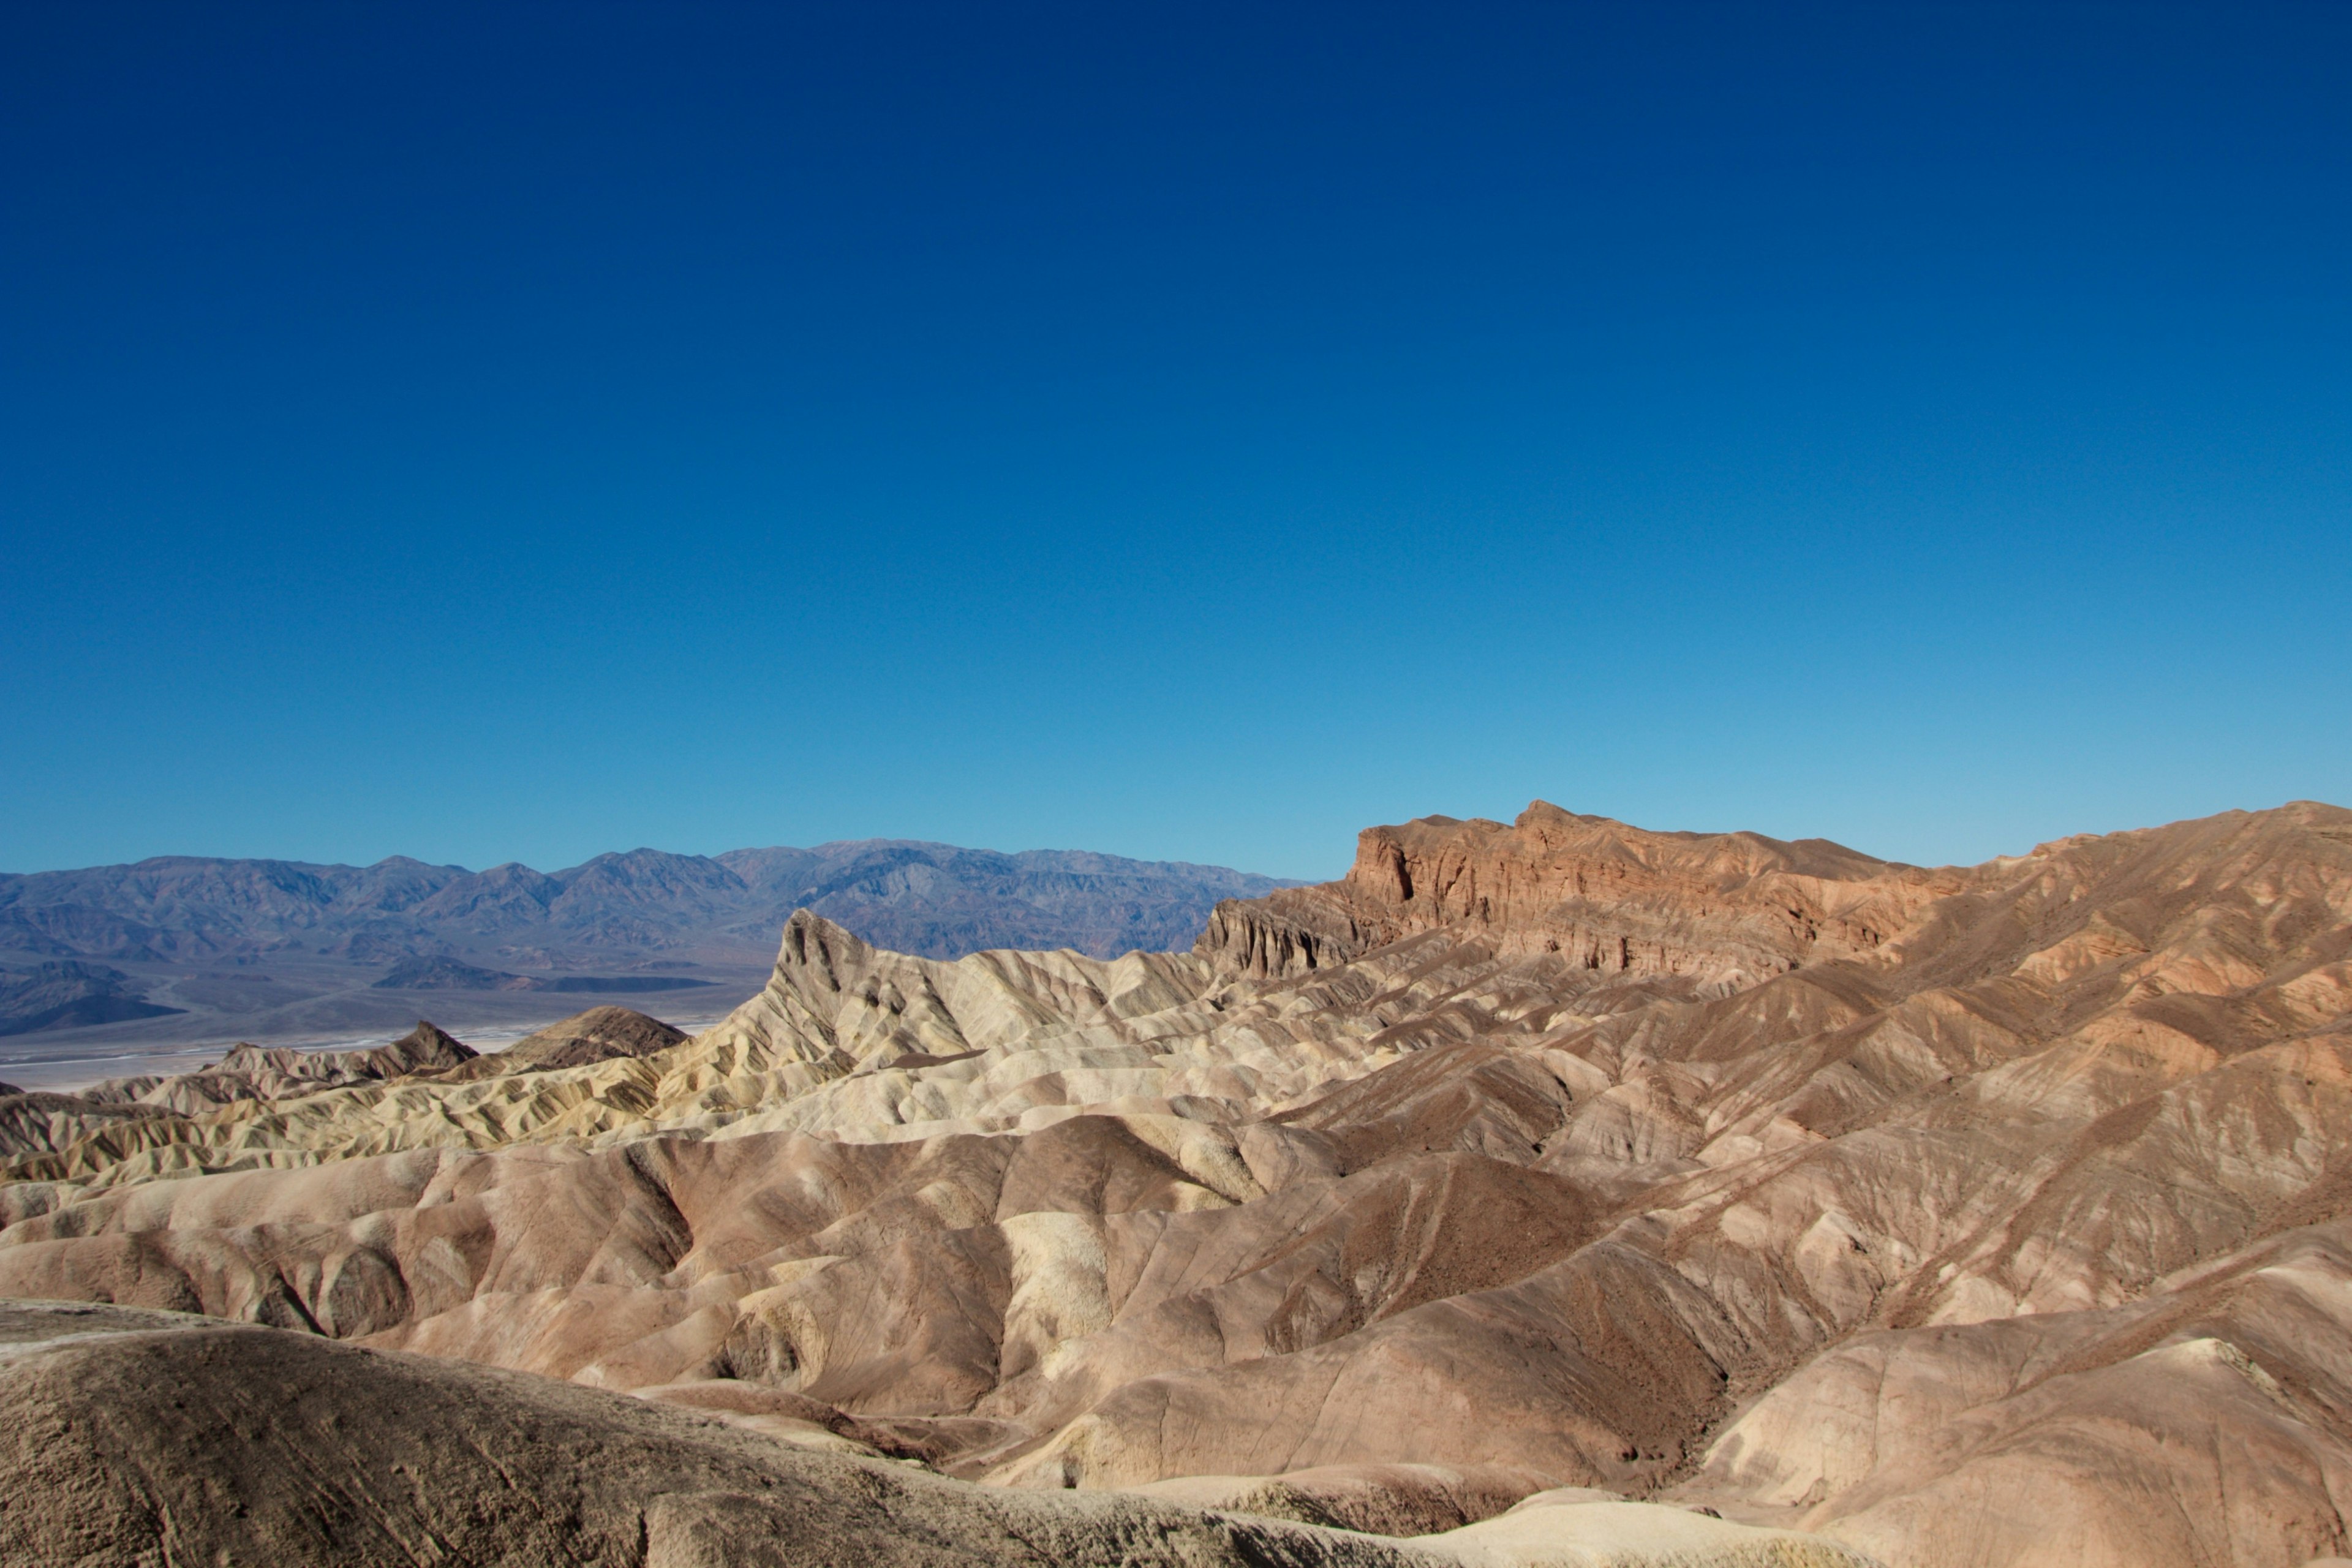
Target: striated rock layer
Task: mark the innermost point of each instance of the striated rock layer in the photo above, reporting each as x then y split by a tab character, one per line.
1968	1216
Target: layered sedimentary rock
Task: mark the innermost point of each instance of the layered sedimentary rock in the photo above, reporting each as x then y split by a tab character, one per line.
1722	909
1984	1216
91	1119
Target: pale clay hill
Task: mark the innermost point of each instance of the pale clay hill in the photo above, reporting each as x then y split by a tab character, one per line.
1966	1216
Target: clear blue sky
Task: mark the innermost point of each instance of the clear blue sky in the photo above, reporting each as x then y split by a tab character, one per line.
1191	431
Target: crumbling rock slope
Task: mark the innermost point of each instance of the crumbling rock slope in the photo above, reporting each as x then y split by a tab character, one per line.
136	1437
1970	1216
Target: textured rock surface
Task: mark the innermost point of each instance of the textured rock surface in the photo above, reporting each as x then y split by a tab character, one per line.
599	1034
45	1123
1987	1216
135	1437
1611	901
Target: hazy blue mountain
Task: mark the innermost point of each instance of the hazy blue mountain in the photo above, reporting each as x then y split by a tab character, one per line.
933	899
70	995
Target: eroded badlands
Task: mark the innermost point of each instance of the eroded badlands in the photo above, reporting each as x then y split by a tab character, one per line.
1967	1217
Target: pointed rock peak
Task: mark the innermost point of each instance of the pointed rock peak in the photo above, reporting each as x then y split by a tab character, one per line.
425	1046
241	1057
813	941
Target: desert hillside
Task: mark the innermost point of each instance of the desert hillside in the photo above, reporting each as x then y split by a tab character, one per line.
121	969
1953	1217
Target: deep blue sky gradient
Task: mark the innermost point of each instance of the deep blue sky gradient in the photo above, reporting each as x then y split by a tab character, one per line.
1191	431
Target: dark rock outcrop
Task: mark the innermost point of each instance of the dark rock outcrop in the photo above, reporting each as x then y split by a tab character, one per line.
67	995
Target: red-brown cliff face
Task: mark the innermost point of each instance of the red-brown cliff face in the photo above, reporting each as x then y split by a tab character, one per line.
1716	910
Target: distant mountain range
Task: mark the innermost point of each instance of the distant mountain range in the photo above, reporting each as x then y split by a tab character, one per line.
641	908
279	950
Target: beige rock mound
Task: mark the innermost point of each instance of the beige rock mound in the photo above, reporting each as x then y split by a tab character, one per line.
132	1437
2202	1422
44	1125
37	1123
1575	1527
1379	1500
249	1072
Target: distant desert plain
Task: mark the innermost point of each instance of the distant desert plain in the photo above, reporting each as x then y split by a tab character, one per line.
1555	1192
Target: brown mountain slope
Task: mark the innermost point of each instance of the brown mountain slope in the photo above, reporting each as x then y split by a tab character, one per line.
1973	1217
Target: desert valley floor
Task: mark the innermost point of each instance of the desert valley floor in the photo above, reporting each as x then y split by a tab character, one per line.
1551	1193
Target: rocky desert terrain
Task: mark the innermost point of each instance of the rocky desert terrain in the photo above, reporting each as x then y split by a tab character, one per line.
1551	1193
118	970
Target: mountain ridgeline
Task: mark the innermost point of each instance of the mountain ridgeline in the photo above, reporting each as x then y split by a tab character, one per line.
934	900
